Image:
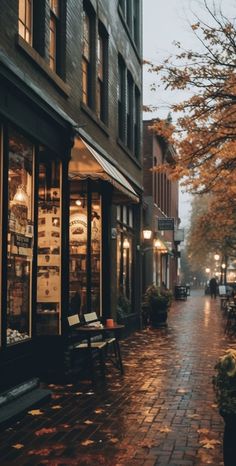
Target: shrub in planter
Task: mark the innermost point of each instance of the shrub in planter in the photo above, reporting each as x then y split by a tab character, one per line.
156	303
123	309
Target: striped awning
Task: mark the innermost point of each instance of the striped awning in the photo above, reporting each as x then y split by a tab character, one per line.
86	163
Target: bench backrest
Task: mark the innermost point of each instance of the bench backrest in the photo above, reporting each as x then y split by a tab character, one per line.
73	320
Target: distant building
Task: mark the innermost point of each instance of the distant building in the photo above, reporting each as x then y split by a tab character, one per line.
160	260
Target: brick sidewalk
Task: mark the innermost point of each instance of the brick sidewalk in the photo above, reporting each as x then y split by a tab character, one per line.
161	412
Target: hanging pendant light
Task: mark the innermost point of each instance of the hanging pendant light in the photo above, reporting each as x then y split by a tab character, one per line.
21	196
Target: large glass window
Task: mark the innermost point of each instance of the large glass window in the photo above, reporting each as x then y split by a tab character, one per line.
49	246
25	20
20	238
125	252
85	252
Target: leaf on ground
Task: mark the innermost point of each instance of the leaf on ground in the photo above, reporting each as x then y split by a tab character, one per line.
88	422
35	412
114	440
182	390
45	431
165	429
203	431
85	443
56	407
55	396
79	393
193	416
18	446
99	411
209	443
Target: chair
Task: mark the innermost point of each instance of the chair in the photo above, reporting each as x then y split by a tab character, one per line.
111	341
76	344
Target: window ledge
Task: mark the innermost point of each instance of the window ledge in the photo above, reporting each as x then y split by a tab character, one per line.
128	152
94	117
40	61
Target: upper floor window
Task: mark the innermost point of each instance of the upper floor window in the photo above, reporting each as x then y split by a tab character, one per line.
121	98
54	33
131	14
128	109
102	72
86	57
25	20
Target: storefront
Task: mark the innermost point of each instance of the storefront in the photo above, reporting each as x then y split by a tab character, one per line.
67	231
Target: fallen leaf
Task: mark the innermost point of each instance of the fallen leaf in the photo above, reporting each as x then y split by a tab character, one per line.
56	407
45	431
165	429
203	431
193	416
35	412
18	446
114	440
99	411
87	442
88	422
79	393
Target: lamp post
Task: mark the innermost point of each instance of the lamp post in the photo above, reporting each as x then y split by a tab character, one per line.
223	273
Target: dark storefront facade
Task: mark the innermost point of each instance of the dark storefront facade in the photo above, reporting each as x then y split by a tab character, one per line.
70	223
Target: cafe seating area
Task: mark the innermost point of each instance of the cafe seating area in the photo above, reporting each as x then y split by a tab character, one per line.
99	341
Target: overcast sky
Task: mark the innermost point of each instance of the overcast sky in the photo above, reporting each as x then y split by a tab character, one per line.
165	21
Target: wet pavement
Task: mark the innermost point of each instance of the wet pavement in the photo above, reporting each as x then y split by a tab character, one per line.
161	412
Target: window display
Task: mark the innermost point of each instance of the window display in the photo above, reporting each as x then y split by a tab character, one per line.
49	247
20	237
85	253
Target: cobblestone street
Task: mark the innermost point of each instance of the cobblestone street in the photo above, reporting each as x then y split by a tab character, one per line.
161	412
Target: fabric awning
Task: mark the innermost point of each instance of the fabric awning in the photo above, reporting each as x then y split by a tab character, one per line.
86	163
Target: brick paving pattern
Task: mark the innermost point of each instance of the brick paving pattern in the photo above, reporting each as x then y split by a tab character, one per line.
161	412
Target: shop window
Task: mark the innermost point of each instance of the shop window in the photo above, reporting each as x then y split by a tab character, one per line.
102	73
20	237
25	20
49	246
85	252
54	35
125	253
130	115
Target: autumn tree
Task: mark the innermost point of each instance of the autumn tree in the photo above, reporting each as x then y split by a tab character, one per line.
205	132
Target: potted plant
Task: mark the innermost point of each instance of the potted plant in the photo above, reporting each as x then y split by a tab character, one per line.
156	304
224	383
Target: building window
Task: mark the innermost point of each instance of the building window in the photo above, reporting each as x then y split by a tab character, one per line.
131	14
125	253
102	73
20	237
121	99
130	114
54	34
25	20
49	245
86	57
136	22
137	123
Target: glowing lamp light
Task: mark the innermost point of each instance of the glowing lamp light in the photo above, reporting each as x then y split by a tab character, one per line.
157	244
216	257
78	202
223	266
21	197
207	270
147	233
126	244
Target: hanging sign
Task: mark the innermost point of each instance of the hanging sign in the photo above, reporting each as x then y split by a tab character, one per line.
165	223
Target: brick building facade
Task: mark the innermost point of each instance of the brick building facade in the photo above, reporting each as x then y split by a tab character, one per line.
160	203
71	178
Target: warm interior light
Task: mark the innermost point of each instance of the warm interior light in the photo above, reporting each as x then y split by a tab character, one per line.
157	244
21	197
147	233
216	257
223	266
126	244
78	202
207	270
